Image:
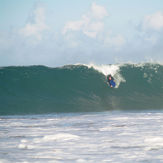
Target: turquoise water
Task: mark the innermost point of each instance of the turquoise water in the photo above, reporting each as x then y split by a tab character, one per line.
80	88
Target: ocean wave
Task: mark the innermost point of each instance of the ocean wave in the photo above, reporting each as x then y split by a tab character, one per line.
80	88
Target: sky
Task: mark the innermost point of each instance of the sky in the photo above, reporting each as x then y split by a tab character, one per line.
61	32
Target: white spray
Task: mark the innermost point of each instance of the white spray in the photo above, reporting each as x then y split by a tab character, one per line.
109	69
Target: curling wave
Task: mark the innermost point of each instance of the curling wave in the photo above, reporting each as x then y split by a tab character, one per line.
80	88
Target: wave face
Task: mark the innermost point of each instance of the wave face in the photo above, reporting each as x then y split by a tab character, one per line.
80	88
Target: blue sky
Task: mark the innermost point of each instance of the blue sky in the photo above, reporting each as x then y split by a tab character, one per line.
58	32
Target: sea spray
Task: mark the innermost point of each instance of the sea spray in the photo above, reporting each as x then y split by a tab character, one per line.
113	70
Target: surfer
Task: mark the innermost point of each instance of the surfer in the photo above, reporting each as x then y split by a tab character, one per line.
110	81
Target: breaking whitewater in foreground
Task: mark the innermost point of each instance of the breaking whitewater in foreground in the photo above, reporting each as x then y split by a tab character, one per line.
80	88
103	137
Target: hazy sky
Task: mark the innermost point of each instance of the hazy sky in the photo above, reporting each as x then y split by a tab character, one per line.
58	32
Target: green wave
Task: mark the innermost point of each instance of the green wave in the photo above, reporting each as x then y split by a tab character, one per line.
80	88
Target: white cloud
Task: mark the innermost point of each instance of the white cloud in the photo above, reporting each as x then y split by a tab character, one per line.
116	41
36	25
93	28
90	24
74	25
154	21
151	29
99	12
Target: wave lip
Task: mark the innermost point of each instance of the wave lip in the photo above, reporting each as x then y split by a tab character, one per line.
80	88
114	70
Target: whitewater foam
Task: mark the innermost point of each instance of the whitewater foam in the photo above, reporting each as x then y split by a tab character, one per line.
114	70
60	136
98	137
105	69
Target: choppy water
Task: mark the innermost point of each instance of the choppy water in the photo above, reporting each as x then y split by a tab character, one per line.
120	137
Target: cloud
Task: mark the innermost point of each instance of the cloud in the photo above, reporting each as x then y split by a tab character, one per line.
150	30
98	12
36	25
154	21
90	24
115	41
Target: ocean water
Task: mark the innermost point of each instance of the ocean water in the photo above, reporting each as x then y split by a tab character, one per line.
69	114
80	88
120	137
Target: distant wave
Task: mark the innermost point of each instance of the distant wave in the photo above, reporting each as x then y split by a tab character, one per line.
80	88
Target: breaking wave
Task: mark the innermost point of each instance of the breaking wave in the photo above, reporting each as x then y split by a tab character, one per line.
80	88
